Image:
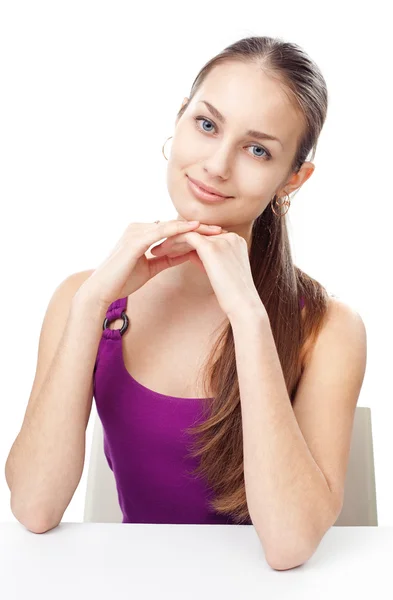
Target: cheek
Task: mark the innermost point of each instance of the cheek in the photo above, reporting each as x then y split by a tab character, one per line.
255	191
183	146
253	202
261	187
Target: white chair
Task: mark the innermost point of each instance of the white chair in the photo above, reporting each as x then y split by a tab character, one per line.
359	508
101	502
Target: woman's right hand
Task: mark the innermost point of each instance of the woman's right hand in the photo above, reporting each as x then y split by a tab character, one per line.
127	268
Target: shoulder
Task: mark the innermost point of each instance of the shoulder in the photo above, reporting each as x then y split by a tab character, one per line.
76	279
68	287
72	283
343	331
342	318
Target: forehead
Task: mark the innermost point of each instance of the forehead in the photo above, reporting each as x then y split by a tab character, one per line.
250	98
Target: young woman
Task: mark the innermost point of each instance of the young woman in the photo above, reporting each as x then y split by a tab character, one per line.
225	377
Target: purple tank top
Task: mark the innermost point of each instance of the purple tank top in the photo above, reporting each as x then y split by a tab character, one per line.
145	443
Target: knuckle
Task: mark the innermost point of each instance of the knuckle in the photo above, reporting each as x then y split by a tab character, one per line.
131	227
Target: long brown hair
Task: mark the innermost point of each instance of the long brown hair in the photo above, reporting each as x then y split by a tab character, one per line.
279	282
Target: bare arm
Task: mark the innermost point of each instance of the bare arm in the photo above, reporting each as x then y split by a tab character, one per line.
45	463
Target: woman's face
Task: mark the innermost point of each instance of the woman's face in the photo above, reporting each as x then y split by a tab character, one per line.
224	155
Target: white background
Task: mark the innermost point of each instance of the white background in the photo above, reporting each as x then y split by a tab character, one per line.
89	94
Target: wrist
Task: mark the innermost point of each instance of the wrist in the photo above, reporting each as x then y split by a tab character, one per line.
253	313
84	301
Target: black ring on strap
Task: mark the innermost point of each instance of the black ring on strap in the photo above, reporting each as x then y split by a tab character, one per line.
124	327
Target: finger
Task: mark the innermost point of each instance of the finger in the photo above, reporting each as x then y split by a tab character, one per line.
208	229
170	250
167	229
178	238
177	243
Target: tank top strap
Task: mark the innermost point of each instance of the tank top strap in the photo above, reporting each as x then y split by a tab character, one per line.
116	310
110	342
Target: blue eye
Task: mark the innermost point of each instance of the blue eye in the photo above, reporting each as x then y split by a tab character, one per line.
205	120
266	156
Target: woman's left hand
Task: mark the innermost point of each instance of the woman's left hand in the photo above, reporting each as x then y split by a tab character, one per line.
224	258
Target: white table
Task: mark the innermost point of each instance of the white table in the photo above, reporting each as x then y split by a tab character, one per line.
93	561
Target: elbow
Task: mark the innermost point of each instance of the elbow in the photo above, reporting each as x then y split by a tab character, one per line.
283	563
296	550
40	526
283	558
34	521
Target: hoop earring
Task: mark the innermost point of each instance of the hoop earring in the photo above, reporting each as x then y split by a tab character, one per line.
284	203
164	146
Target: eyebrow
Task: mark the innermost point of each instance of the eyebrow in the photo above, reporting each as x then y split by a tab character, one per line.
251	132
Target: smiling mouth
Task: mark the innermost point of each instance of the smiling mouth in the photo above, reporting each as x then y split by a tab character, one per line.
202	194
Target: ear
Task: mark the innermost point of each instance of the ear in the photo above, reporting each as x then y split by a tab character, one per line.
298	179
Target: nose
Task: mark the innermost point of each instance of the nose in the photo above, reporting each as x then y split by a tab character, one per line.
218	163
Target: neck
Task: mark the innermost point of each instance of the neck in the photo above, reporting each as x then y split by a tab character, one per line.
188	281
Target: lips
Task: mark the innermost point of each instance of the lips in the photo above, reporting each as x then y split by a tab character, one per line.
207	188
203	196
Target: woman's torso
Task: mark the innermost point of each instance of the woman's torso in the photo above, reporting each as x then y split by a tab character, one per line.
147	392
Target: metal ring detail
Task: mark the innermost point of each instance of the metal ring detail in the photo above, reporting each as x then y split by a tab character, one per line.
123	328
